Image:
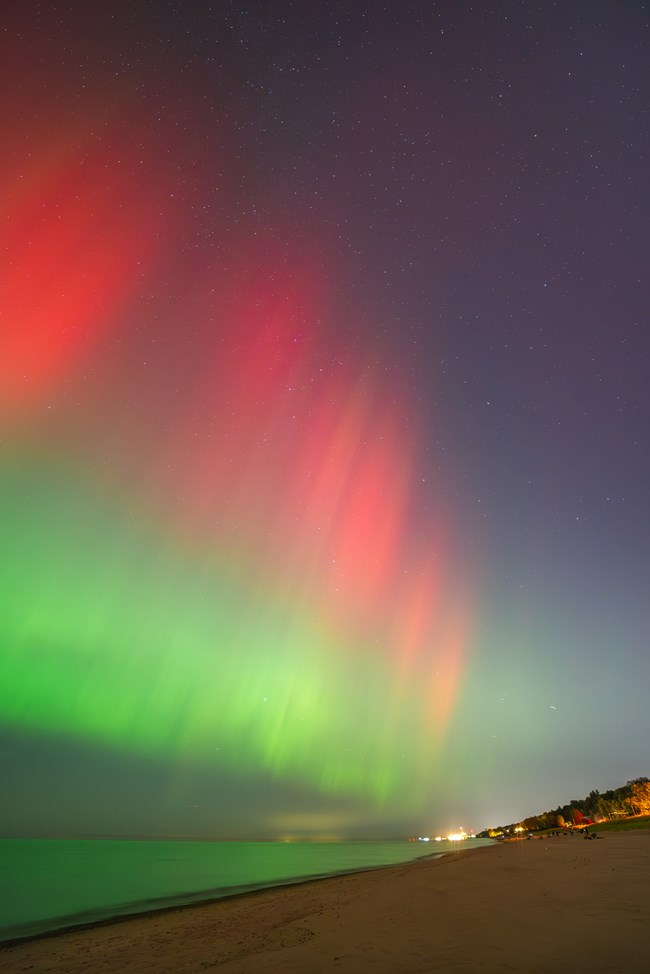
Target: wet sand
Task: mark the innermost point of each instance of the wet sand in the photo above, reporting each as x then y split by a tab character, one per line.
530	907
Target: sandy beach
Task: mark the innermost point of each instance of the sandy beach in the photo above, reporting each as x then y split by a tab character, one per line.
545	905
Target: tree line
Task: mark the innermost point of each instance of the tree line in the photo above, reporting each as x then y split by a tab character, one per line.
631	799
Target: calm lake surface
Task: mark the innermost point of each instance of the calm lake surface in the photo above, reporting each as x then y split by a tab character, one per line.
48	884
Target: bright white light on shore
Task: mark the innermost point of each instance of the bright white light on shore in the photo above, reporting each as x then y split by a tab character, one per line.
456	836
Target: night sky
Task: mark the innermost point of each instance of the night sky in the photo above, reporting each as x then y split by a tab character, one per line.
324	410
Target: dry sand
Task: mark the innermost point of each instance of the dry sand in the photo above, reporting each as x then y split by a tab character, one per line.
547	905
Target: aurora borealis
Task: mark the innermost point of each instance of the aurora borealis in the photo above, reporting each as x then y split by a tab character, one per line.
323	416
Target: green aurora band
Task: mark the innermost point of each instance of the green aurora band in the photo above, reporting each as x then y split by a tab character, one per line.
145	653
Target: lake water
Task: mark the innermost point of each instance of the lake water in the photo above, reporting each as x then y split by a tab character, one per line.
49	884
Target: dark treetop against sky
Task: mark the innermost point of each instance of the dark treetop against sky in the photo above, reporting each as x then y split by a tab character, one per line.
323	414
